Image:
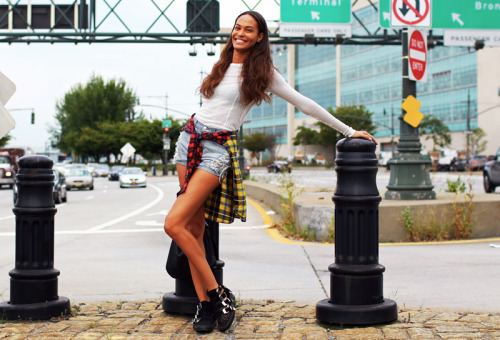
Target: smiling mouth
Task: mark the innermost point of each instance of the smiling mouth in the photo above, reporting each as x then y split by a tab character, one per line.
239	41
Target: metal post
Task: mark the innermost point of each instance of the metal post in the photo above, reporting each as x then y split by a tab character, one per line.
392	132
184	299
33	283
410	179
356	283
468	132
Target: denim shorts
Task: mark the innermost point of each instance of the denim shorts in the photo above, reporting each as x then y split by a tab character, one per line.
215	158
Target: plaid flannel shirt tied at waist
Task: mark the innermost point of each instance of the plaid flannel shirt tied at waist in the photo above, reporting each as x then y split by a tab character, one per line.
227	201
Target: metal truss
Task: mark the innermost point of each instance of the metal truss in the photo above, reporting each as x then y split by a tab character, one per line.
101	12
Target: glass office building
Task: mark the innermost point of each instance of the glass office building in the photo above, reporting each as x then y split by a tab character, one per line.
371	75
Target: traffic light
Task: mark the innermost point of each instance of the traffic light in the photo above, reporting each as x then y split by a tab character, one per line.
167	129
32	117
202	16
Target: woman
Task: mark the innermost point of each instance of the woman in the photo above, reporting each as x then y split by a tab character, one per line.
205	155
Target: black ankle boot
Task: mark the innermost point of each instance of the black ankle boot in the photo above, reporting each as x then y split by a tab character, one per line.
205	318
223	305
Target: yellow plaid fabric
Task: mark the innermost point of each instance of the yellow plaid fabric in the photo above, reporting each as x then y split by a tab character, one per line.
227	201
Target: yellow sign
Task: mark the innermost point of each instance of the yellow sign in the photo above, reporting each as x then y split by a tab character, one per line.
412	116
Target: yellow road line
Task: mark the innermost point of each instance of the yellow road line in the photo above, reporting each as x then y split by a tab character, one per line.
275	234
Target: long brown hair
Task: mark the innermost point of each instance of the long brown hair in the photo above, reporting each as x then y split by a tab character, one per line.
257	67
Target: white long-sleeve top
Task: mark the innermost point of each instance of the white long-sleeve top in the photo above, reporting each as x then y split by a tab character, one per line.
225	111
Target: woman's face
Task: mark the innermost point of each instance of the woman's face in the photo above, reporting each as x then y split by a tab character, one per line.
245	34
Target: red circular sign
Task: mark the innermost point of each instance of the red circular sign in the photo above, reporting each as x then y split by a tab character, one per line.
408	7
417	54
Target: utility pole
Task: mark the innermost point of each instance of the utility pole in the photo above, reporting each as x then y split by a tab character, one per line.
468	132
392	131
410	179
201	81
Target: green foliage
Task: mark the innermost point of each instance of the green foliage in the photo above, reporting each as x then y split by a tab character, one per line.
305	136
356	116
85	106
458	226
330	237
4	140
455	186
477	142
436	130
259	142
288	224
424	229
462	226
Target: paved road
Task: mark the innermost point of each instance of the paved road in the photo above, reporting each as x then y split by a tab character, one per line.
326	178
110	245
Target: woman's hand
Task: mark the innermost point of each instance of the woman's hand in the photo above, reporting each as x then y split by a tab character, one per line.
365	135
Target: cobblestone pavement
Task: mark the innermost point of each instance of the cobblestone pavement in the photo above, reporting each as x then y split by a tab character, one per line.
254	320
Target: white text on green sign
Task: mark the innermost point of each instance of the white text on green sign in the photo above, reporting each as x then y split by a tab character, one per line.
466	14
456	14
316	11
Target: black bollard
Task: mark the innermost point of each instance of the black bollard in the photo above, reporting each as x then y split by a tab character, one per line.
184	299
33	283
356	282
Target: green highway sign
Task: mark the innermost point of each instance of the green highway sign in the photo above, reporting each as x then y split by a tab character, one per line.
166	123
466	14
384	11
456	14
316	11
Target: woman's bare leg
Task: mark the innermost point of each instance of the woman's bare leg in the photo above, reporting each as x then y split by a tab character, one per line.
197	227
187	205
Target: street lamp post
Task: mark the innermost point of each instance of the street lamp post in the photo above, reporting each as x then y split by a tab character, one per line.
410	179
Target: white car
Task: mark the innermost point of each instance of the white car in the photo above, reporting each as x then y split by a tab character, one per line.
79	178
132	177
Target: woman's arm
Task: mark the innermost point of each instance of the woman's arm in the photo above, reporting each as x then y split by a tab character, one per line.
283	90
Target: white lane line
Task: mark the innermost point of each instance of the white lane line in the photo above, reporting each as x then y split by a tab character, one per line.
133	213
236	227
90	197
126	231
6	217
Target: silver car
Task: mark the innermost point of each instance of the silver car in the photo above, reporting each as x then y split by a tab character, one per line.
78	178
132	177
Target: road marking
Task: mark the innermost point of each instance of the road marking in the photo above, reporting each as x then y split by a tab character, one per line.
234	227
90	197
133	213
161	212
6	217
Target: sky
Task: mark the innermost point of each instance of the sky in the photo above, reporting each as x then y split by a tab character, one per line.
159	74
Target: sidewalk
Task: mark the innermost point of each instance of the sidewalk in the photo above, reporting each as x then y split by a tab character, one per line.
254	320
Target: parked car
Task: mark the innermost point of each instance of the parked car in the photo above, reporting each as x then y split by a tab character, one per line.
459	164
279	166
115	171
79	178
59	191
491	174
477	162
132	177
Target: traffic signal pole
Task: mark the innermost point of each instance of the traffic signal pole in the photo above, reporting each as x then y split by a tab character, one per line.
410	179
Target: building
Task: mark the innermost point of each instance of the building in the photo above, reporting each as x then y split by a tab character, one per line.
462	88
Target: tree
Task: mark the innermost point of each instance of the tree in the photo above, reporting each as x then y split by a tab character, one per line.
4	140
255	143
85	106
477	142
356	116
435	129
306	136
